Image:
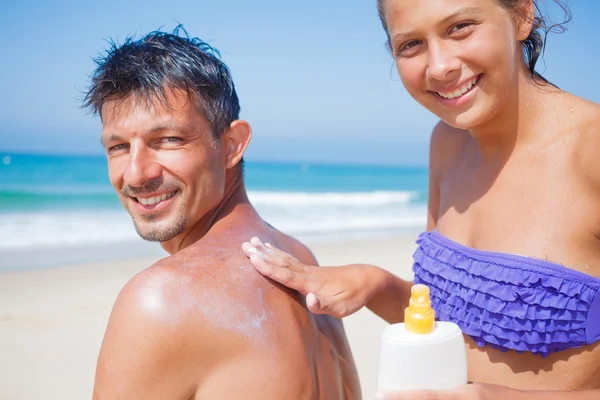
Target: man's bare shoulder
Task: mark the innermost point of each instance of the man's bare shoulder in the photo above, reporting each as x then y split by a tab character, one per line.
160	292
195	292
206	306
166	299
201	283
153	346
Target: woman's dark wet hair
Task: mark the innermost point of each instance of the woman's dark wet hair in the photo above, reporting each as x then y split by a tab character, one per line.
533	46
147	68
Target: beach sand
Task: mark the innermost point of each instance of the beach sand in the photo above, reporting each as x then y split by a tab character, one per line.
52	320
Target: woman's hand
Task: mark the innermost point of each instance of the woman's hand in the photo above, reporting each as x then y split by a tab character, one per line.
338	291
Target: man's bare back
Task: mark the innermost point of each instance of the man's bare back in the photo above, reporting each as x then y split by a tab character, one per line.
243	335
201	323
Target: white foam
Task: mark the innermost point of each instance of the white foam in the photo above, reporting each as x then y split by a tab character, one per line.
22	230
360	199
300	214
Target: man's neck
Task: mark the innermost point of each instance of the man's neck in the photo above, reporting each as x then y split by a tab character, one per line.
235	195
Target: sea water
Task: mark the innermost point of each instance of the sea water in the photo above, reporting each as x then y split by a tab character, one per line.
65	203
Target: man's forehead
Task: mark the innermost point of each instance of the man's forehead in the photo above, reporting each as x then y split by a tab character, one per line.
132	105
141	123
153	99
146	105
144	114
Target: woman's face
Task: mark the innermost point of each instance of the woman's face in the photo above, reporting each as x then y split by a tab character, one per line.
458	58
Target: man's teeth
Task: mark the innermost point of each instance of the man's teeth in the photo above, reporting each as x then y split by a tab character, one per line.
149	201
459	92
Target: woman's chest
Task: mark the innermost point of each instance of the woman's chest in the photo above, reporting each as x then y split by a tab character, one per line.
537	213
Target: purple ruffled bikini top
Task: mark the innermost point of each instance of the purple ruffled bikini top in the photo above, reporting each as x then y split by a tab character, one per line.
507	301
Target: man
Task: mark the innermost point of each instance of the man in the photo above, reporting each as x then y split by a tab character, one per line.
201	323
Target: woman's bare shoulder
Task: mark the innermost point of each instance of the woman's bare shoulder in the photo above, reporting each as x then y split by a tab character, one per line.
585	123
446	146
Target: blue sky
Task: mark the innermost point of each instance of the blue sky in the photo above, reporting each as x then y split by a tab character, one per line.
314	78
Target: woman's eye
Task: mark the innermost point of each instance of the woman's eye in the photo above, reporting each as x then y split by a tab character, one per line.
459	27
408	47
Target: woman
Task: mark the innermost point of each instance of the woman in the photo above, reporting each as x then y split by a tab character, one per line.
512	248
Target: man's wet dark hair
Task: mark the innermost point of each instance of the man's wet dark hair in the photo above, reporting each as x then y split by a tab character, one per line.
147	68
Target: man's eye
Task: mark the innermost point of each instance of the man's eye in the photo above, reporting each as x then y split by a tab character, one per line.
118	147
171	139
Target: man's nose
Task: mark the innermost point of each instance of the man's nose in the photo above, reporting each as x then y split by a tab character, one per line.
142	167
443	62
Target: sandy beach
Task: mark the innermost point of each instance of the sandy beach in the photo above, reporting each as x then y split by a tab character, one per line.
52	320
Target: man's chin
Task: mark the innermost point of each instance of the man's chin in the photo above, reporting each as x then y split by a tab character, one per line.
158	232
155	236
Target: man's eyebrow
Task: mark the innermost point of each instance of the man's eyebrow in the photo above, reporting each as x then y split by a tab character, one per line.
166	127
104	139
461	11
112	138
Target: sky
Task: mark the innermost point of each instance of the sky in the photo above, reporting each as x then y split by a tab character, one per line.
314	77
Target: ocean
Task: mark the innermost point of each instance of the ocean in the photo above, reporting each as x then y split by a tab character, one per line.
57	209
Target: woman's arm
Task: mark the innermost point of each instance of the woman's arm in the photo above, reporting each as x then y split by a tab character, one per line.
390	300
341	291
490	392
337	291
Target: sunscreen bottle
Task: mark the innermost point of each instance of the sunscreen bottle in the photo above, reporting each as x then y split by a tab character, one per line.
421	354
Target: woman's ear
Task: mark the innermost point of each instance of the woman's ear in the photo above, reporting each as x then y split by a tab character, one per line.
235	140
525	18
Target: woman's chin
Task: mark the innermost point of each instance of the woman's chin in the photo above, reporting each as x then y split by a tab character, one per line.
468	120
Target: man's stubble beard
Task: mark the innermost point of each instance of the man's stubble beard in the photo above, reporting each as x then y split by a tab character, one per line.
155	231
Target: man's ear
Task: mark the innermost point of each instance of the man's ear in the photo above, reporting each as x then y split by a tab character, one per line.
525	17
235	140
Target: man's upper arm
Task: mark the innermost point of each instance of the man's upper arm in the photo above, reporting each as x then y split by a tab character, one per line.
146	352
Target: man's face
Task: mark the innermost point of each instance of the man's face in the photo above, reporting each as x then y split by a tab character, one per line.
163	162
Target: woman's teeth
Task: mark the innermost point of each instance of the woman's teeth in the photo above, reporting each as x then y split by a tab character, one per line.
459	92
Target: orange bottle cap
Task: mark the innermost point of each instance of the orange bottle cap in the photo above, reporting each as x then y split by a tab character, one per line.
419	317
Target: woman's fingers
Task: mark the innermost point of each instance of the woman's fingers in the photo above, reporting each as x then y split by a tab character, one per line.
314	304
272	255
327	305
281	275
312	282
276	264
281	258
248	249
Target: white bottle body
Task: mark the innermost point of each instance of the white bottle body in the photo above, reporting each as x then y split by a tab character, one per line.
433	361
